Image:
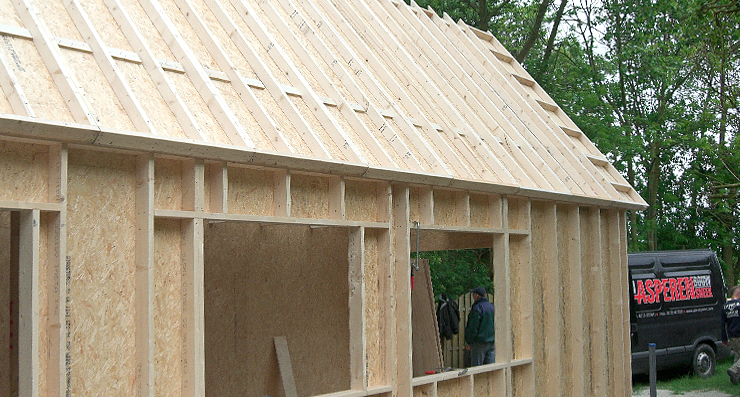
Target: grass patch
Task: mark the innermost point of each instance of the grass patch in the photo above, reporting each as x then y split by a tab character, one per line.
682	381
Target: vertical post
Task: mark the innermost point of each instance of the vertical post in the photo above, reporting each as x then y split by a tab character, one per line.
502	299
28	305
336	198
219	187
402	290
193	315
56	289
144	292
357	348
569	255
193	293
281	197
653	370
545	250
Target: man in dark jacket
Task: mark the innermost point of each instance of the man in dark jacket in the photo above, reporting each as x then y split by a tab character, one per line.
731	331
479	330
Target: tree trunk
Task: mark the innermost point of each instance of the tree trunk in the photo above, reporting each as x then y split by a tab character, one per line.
652	184
727	257
553	34
534	32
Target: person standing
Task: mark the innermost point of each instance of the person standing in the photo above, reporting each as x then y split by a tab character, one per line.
731	331
479	330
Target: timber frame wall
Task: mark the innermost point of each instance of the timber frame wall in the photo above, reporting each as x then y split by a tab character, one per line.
172	170
559	270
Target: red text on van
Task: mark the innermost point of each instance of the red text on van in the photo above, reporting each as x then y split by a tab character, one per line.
655	290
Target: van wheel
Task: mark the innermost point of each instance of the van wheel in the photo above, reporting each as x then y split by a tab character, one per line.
705	361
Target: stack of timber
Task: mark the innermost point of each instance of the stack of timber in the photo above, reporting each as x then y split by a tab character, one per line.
183	181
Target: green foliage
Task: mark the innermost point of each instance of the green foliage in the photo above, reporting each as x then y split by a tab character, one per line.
456	272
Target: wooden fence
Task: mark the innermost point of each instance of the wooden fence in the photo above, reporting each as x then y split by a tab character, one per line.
453	350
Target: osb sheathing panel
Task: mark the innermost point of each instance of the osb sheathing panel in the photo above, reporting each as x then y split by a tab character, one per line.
23	171
275	280
480	211
490	384
587	269
250	191
287	48
288	130
451	388
188	34
309	196
568	274
410	145
354	135
101	219
147	29
414	210
8	14
34	79
254	41
518	214
101	100
427	390
361	201
5	305
167	308
432	240
199	109
444	208
57	19
105	24
517	266
541	234
245	117
521	381
157	109
376	306
309	116
223	39
380	137
167	184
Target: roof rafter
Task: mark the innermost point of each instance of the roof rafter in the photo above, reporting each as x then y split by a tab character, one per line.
54	62
242	87
476	95
400	94
417	79
585	169
269	81
453	86
198	75
13	91
165	87
351	60
133	108
344	106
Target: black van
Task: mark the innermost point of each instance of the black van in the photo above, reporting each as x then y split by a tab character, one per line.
676	300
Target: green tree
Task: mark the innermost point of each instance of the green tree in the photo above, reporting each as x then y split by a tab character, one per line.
456	272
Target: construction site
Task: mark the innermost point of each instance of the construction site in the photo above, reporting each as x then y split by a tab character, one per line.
224	198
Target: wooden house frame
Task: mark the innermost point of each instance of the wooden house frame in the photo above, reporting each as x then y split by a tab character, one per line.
218	197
